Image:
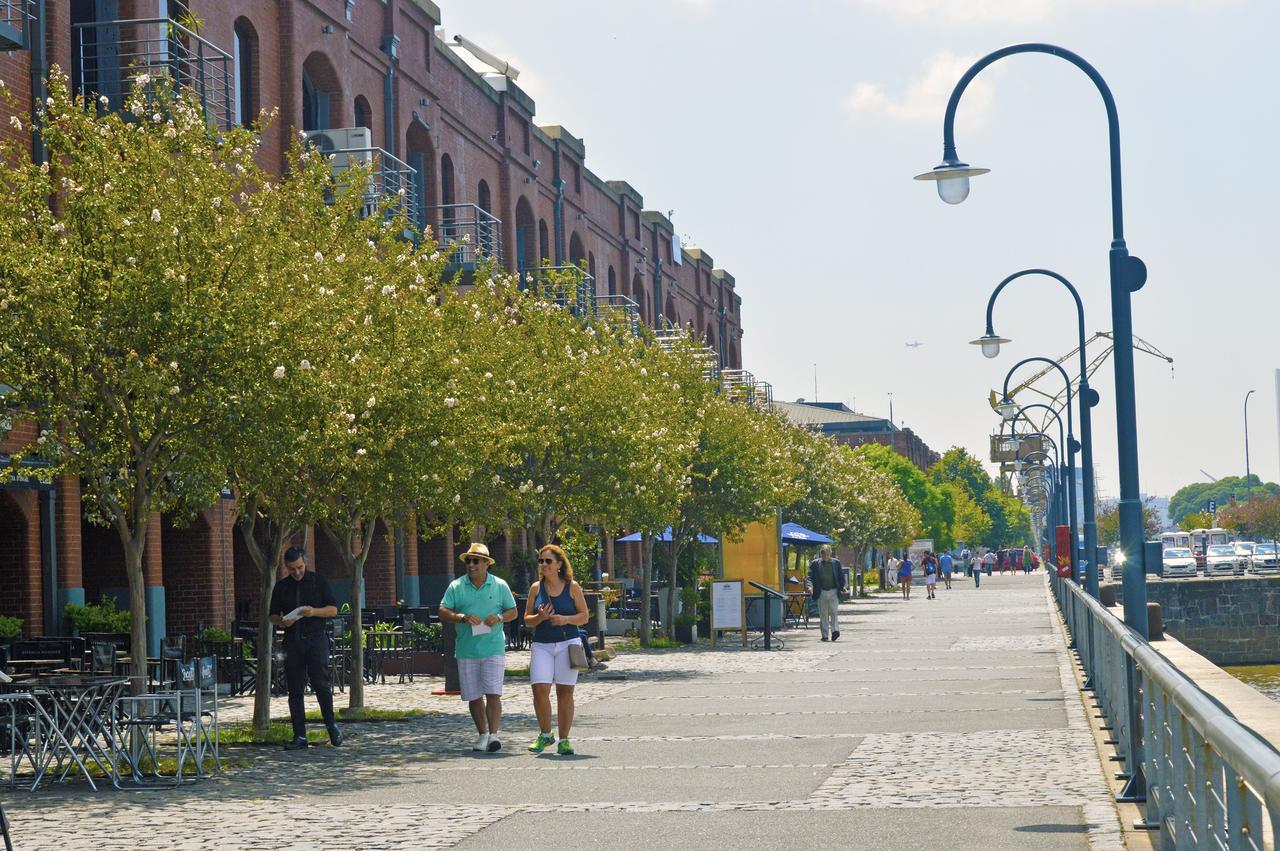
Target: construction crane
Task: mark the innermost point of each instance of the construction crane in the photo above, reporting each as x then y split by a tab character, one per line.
1056	398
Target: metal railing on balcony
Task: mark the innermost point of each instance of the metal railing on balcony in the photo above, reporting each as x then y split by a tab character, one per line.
740	385
468	231
620	309
707	356
15	24
114	58
568	286
1203	778
390	178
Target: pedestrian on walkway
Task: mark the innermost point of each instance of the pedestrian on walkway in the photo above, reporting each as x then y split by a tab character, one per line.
977	572
904	577
944	564
966	556
477	605
555	610
930	575
826	586
989	562
300	603
891	570
1026	559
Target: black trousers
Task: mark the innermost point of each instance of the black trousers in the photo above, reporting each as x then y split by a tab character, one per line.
308	659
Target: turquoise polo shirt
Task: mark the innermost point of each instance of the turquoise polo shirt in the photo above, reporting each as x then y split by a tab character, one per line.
492	598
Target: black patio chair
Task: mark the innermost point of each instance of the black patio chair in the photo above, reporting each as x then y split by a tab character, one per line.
102	658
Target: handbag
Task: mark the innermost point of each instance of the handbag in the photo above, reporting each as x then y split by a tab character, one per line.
577	656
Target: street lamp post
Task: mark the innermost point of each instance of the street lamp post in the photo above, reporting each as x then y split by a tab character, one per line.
1248	481
1071	446
1128	274
990	343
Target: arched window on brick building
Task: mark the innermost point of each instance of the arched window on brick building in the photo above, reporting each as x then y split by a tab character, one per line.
321	93
364	113
245	55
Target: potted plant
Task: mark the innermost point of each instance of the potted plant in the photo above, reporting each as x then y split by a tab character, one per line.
100	621
686	622
10	630
426	658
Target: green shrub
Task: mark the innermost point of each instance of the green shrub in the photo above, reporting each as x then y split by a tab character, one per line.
99	617
429	636
213	633
10	627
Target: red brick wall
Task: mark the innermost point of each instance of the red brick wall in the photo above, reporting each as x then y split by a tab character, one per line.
20	592
70	574
199	573
380	570
102	559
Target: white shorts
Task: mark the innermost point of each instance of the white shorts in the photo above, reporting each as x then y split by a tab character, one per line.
478	677
550	663
930	580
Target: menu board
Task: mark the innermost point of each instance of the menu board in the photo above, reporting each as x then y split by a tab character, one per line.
726	604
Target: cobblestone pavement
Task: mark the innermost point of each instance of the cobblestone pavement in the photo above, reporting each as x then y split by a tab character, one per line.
949	723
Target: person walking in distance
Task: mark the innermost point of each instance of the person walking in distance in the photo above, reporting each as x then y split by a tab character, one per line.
555	610
966	556
300	603
989	563
945	566
477	605
904	577
826	582
891	570
930	575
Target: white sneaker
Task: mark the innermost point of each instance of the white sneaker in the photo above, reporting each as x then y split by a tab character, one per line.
482	742
495	744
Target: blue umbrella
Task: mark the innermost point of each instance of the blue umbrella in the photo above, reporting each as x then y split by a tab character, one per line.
794	533
634	537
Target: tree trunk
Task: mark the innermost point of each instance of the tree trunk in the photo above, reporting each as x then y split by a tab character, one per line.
134	548
266	657
673	574
357	635
646	579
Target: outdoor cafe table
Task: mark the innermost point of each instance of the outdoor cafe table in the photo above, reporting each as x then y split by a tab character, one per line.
78	730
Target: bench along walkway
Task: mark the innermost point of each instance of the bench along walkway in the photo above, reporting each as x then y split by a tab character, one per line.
952	723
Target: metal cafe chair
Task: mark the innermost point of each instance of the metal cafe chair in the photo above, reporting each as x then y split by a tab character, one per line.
205	719
22	731
139	722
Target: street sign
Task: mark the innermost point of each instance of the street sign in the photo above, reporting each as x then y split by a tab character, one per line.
1212	506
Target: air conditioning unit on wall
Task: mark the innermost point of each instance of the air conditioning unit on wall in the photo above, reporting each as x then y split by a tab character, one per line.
346	145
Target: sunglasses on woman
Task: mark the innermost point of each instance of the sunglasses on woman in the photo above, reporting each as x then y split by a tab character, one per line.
546	561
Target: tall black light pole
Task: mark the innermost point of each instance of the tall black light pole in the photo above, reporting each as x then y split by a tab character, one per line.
1128	274
990	343
1248	481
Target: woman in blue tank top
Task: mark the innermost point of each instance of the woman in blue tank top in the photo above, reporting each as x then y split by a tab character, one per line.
555	610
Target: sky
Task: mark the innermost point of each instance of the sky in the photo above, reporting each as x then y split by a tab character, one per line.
785	135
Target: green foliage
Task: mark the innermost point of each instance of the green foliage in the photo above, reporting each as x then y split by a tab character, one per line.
98	617
213	634
934	504
1259	517
581	547
428	636
1197	520
1195	496
1108	523
10	627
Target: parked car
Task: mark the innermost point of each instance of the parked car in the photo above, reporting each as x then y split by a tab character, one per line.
1179	563
1265	559
1222	560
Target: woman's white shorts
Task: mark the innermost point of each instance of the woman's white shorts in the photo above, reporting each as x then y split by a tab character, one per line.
549	663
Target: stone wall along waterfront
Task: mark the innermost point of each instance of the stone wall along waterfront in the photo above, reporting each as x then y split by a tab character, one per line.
1232	621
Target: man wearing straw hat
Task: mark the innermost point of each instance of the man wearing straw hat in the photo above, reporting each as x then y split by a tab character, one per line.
478	604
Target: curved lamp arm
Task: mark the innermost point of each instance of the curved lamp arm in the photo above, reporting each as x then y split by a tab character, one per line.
950	160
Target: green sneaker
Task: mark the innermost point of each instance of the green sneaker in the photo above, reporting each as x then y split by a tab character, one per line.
540	744
564	748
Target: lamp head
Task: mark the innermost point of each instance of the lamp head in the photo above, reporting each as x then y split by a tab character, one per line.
990	344
952	179
1007	409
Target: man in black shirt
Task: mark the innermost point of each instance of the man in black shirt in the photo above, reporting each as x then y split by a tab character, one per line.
300	603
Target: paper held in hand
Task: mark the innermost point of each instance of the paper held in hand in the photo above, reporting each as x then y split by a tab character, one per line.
294	616
481	628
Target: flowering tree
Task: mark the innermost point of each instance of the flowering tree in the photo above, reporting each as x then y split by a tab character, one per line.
740	473
123	297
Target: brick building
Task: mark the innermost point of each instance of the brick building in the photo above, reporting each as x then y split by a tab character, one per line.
836	420
371	81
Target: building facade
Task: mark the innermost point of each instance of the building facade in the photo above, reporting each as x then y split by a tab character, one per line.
371	81
837	421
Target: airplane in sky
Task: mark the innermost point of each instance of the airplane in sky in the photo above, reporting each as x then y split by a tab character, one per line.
914	344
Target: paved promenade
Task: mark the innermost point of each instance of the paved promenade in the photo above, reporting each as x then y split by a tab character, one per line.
952	723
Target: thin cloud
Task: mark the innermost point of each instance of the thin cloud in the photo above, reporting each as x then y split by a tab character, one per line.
925	98
1019	11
